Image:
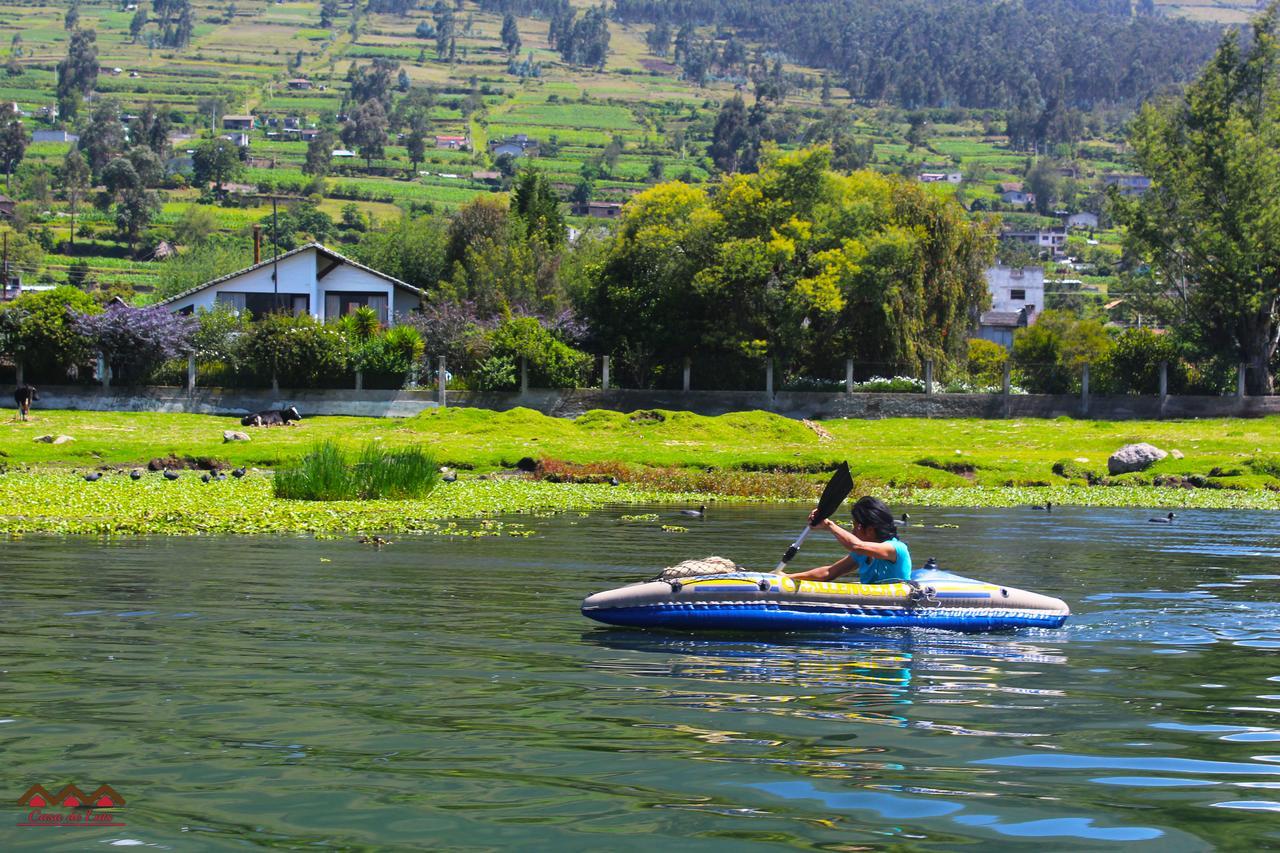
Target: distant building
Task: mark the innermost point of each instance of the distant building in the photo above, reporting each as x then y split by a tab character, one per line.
342	152
487	177
940	177
999	326
53	136
7	207
1083	219
12	288
240	139
519	145
1015	288
1052	239
1129	185
453	143
313	280
1011	192
299	83
308	133
292	123
237	122
598	209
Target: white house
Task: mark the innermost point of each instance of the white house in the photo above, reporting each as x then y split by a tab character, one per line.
1016	288
1083	219
312	279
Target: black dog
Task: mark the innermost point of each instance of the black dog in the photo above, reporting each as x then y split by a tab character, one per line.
23	397
272	417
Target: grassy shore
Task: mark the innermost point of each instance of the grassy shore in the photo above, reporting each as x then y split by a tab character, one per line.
657	457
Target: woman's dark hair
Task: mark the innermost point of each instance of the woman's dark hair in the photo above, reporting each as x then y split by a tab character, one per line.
874	513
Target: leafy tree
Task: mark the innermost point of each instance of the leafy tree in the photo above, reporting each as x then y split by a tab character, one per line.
75	183
658	39
102	139
319	154
135	341
216	160
151	128
797	262
41	333
510	34
195	225
134	212
71	20
297	351
13	140
328	11
551	363
1205	226
1132	365
137	24
367	130
1051	354
147	165
415	146
535	203
986	361
1042	179
78	73
301	219
731	135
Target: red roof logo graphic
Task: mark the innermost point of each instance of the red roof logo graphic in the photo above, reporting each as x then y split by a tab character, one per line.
105	797
36	797
70	797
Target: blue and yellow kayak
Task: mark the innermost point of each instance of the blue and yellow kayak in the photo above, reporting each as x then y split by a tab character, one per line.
754	601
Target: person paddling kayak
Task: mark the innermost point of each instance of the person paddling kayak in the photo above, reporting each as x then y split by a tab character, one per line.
873	546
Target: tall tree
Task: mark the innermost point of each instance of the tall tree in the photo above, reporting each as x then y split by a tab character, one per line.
137	24
535	203
1207	227
102	138
217	160
78	73
415	146
367	130
71	20
13	140
510	33
75	183
319	153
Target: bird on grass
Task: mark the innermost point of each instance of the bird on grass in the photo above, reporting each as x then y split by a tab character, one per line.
171	475
220	476
450	475
135	474
695	513
204	478
613	481
1168	519
238	473
93	476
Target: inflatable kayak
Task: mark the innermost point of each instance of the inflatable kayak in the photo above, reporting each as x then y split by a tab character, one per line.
754	601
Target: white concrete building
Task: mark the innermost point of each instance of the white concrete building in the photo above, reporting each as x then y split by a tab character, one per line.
312	280
1015	288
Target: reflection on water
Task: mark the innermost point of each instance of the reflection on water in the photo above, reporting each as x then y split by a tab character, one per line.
445	693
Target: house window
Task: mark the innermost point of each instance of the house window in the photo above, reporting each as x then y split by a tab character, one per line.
261	304
339	304
1018	294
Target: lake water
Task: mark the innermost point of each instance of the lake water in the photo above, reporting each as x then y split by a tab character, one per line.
445	693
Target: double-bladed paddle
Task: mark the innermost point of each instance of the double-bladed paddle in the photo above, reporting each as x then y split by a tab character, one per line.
838	488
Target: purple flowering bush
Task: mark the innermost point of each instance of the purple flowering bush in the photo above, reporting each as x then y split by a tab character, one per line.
136	341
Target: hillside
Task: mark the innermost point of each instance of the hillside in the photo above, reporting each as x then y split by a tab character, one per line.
637	120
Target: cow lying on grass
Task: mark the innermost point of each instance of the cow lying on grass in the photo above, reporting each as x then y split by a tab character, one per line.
272	417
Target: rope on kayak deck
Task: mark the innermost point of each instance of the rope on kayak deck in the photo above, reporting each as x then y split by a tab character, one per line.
698	568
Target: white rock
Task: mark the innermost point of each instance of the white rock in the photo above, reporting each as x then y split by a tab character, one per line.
52	439
232	435
1176	454
1082	459
1134	457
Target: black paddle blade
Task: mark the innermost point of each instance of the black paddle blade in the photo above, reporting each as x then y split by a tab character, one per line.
838	488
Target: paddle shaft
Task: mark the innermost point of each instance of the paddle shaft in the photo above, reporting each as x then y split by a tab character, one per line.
791	551
837	489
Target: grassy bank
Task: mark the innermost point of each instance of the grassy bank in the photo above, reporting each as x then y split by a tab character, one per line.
656	456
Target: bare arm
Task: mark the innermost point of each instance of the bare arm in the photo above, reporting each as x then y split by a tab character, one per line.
842	566
851	543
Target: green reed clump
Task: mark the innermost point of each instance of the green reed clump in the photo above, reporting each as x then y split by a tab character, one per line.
325	473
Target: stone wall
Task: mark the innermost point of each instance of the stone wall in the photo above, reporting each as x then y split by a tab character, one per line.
571	403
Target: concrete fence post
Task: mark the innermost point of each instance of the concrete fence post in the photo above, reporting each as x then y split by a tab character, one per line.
1007	386
1240	374
768	376
441	381
103	376
604	373
275	384
848	376
1084	389
524	375
1164	385
359	380
191	373
688	369
928	376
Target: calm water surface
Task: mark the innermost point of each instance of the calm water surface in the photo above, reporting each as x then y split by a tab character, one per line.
445	693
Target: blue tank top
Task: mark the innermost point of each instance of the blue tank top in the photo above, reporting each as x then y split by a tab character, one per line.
876	570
